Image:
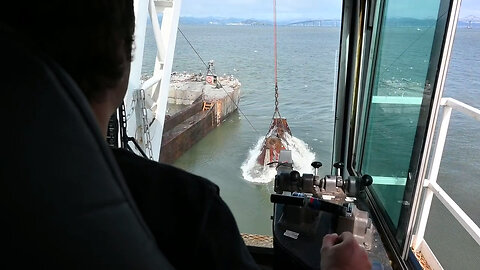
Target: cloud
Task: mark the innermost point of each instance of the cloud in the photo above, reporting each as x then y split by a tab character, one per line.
262	9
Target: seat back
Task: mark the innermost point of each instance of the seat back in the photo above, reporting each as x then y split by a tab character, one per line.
64	203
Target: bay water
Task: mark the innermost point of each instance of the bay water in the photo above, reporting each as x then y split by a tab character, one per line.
307	63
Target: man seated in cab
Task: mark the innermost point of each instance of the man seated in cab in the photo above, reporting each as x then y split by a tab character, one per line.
92	41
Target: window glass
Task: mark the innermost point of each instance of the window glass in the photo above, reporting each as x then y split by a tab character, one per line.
403	56
243	47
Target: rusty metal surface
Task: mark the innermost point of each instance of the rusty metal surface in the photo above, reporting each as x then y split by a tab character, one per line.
257	240
182	137
274	141
185	128
172	121
422	260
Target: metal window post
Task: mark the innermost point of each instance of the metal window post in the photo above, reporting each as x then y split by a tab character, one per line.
170	20
134	83
156	88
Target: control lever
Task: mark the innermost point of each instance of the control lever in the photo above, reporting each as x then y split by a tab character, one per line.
339	166
311	202
316	165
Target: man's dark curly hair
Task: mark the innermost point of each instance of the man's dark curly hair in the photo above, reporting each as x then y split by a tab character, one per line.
90	39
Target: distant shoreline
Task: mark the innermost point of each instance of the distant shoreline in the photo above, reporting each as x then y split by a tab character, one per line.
399	22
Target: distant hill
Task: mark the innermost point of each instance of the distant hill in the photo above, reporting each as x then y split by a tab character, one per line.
467	22
222	21
241	21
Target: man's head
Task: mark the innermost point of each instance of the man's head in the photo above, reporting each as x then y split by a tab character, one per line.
91	39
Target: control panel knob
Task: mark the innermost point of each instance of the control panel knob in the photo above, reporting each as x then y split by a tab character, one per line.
316	164
367	180
339	166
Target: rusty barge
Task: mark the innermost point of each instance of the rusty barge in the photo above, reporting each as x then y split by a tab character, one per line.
204	101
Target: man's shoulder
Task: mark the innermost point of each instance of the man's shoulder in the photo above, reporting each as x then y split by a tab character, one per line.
134	166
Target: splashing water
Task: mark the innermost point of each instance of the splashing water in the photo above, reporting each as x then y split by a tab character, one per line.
301	154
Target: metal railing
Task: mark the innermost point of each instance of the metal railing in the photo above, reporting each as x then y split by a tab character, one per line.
433	188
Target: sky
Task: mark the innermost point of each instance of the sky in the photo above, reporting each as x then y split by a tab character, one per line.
263	9
469	8
287	9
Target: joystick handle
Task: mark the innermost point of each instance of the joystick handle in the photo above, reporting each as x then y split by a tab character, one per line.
339	166
316	164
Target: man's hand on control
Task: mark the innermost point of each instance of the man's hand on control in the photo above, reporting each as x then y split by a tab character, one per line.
342	252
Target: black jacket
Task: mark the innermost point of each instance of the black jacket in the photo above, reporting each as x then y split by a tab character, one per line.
193	226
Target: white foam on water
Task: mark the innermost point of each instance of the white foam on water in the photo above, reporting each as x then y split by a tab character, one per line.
301	154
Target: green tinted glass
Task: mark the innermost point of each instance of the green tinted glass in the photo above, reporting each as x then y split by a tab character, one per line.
403	56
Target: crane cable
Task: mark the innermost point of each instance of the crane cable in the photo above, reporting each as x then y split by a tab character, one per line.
276	112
